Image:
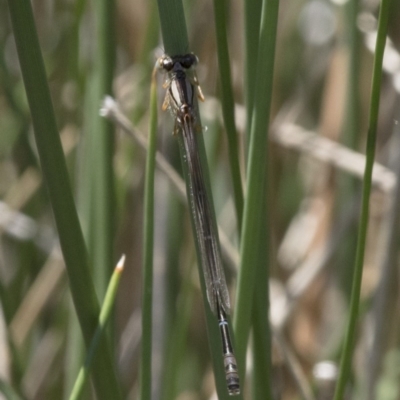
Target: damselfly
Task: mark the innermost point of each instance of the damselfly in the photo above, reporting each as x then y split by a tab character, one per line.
179	98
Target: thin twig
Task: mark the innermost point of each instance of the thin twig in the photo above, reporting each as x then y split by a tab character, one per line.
293	136
305	273
294	367
38	295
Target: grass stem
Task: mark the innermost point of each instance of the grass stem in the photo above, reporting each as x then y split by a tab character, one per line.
345	365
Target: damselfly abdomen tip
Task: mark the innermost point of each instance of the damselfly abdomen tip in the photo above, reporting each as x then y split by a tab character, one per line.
231	374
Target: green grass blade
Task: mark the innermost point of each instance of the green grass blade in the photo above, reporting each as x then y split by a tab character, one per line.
96	186
74	352
173	28
345	365
102	150
147	296
252	245
353	101
212	323
351	136
252	19
105	313
228	106
57	180
177	343
8	391
261	379
152	34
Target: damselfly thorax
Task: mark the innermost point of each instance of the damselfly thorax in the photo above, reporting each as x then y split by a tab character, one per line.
181	87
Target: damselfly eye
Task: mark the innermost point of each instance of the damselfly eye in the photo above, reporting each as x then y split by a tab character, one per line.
195	59
167	63
188	60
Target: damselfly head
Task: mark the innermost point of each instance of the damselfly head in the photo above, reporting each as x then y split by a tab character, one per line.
185	61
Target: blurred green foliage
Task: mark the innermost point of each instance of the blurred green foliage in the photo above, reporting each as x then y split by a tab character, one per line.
321	82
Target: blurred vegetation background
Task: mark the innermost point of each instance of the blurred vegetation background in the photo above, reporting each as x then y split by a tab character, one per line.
321	97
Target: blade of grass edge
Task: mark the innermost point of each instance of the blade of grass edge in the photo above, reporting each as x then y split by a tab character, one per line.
261	346
102	149
228	106
252	246
105	312
57	181
212	323
252	20
345	364
8	391
178	339
173	28
148	244
261	341
75	347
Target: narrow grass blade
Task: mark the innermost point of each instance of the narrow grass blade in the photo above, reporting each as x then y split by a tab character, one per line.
353	101
97	184
102	149
152	32
252	20
74	352
105	313
252	245
261	378
8	392
212	325
57	180
147	287
173	28
348	186
228	106
345	365
145	59
178	339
